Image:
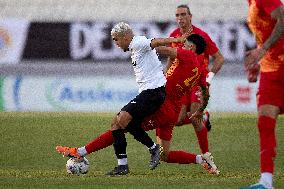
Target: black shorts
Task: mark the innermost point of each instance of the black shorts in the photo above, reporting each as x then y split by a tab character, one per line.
146	103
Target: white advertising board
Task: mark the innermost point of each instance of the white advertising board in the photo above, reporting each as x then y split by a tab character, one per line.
96	94
109	94
232	95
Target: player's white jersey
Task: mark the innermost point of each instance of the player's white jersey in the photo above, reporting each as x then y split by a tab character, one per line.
147	66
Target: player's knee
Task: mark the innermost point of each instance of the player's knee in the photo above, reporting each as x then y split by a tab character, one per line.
121	121
269	111
114	126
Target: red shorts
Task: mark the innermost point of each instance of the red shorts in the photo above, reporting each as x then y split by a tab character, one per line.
191	97
271	89
163	121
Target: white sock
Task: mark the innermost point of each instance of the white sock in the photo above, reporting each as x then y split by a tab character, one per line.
198	159
122	161
266	179
82	151
152	147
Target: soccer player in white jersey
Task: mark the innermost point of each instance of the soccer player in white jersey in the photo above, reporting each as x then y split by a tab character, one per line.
151	81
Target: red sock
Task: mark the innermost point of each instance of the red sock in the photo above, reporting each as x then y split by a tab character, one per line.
181	157
100	142
266	129
203	139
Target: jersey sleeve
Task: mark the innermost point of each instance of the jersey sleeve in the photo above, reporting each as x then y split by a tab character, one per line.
172	34
185	55
142	43
211	47
269	5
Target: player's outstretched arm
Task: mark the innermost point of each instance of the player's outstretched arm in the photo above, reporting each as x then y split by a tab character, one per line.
156	42
167	51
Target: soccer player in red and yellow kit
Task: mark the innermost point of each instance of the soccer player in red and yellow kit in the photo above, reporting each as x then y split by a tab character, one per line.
185	27
186	77
266	21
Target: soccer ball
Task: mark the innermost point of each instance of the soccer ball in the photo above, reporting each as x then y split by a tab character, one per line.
75	166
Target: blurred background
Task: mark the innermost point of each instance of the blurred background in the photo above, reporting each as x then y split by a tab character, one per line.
57	55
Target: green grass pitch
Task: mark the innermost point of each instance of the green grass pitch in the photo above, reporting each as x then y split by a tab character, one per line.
28	158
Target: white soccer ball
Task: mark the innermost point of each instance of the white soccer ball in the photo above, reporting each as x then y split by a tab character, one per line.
75	166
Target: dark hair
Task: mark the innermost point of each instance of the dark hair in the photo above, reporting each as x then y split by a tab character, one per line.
198	41
184	6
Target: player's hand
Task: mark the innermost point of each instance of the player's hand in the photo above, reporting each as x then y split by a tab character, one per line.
252	57
181	39
197	115
251	63
185	35
252	73
188	33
